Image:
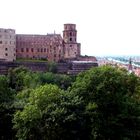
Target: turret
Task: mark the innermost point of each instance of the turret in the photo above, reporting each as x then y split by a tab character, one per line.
72	49
70	33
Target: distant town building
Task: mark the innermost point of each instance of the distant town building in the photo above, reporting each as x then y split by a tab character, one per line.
7	44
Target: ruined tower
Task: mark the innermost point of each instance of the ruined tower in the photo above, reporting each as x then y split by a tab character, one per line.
7	44
71	47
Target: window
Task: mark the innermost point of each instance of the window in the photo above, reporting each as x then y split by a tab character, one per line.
70	33
0	42
38	49
44	49
27	50
6	49
32	50
22	49
70	39
6	54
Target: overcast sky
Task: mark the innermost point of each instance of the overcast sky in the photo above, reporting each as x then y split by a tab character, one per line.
105	27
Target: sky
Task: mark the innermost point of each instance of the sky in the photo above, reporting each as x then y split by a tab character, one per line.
104	27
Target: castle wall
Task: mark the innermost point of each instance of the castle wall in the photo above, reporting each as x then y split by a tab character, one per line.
72	49
7	45
51	47
48	47
64	68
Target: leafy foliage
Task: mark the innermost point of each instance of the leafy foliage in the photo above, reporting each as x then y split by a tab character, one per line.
16	78
103	103
111	97
6	109
50	114
52	67
21	78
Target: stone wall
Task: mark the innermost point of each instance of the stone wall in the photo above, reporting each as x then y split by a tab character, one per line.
66	68
7	44
48	47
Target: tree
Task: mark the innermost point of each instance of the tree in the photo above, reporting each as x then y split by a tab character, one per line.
6	109
61	80
21	78
16	78
103	103
52	67
111	98
50	114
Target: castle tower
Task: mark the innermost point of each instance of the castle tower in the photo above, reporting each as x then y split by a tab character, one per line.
71	47
70	33
7	44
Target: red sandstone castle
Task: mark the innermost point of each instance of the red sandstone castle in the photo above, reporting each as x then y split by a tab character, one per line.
51	47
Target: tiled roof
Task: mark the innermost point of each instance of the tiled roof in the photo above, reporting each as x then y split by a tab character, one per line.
47	39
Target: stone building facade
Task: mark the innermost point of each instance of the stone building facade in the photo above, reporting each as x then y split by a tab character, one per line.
71	47
7	44
47	47
51	47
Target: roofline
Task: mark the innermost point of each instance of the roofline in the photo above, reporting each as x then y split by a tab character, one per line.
37	34
69	24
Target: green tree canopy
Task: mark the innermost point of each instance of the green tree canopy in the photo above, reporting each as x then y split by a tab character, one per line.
6	109
112	100
102	104
50	114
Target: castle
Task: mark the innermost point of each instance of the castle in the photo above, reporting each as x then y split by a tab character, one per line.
51	47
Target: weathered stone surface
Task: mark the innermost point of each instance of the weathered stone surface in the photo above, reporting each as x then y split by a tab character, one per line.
67	68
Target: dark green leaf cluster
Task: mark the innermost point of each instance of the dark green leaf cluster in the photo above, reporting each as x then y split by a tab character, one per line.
6	109
15	89
50	114
112	100
21	78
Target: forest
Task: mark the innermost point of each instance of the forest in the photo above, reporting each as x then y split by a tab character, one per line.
102	103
